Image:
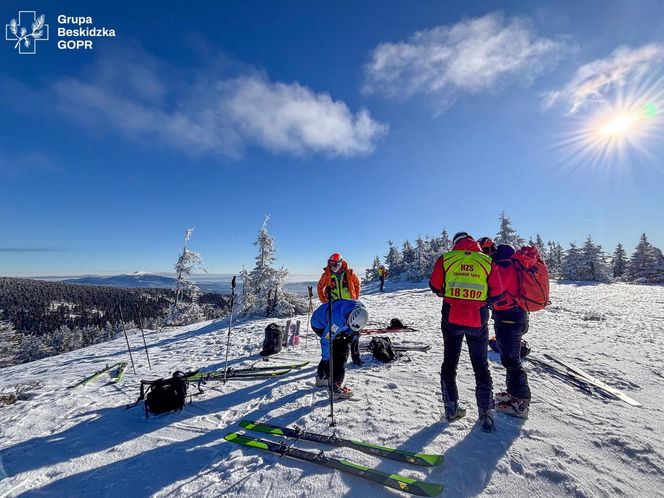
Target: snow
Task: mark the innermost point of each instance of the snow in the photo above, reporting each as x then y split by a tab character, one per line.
83	442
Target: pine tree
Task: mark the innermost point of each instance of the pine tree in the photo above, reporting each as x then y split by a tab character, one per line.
646	264
619	261
188	262
393	259
554	259
539	243
371	274
408	265
572	266
507	234
595	267
263	287
445	243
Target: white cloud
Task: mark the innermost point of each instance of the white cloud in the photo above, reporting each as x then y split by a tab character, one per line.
471	56
594	80
210	113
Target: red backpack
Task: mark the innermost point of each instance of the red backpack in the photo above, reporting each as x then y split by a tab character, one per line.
533	278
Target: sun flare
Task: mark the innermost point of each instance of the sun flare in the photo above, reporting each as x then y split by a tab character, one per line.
619	126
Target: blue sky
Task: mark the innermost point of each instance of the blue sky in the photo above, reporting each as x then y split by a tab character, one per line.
350	123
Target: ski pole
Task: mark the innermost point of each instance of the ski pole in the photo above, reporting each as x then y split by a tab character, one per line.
126	339
230	321
311	295
330	382
140	326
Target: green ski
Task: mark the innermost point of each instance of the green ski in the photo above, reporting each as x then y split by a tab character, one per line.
394	481
424	459
270	371
119	373
92	377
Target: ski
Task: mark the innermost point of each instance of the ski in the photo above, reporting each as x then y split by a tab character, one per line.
394	481
119	373
399	348
251	371
242	374
92	377
594	381
423	459
385	330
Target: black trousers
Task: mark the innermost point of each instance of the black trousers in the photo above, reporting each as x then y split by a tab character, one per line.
340	352
382	283
509	331
478	344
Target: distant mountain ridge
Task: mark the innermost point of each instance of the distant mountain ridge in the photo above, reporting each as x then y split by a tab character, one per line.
138	280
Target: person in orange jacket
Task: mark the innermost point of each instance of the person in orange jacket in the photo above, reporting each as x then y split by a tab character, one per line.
341	280
461	278
342	283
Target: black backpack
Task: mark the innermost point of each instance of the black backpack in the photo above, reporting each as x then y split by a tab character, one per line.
395	324
382	350
273	340
165	395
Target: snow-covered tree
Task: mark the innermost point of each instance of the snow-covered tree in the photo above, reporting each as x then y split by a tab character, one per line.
408	264
619	261
65	339
392	259
32	347
188	261
263	287
596	268
646	264
553	257
573	267
371	274
507	234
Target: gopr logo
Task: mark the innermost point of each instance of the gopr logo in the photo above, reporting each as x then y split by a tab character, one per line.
27	31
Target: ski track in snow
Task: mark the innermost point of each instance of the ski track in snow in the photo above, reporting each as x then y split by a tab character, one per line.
83	442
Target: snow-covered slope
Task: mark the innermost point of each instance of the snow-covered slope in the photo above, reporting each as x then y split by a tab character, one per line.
83	442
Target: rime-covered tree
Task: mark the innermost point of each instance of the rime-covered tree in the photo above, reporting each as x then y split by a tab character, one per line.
188	262
393	259
573	267
263	287
184	313
507	234
408	264
371	274
595	266
646	263
619	261
553	257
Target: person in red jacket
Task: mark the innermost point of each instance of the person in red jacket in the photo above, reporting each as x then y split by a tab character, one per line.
460	277
510	324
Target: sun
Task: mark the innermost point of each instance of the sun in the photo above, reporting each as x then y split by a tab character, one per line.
619	126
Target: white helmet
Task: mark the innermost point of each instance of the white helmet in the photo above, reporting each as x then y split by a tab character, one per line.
358	317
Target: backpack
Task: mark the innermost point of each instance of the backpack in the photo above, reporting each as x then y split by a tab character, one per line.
533	278
382	349
165	395
273	341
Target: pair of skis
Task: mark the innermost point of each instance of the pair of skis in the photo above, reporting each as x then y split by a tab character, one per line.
401	348
583	379
116	370
386	330
395	481
248	373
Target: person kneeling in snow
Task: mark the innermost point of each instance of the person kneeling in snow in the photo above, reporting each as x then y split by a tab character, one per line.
510	324
348	317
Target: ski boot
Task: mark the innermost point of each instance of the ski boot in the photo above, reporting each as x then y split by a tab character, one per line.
453	411
486	419
514	407
342	393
